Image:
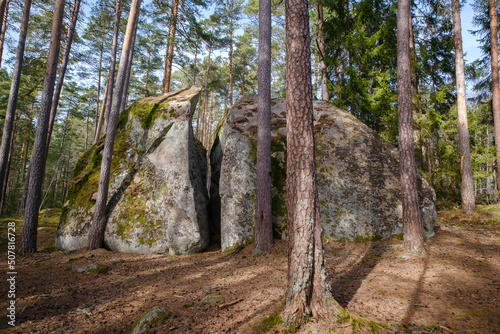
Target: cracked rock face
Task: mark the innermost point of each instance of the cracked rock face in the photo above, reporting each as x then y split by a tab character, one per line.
157	197
358	177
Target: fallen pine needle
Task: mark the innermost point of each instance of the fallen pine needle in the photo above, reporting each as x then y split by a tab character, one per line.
231	303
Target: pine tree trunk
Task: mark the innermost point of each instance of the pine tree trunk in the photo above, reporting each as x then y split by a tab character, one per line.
171	46
64	66
96	233
39	154
7	172
413	239
495	87
26	145
307	293
103	116
468	200
3	26
263	212
194	62
325	95
14	91
231	54
205	95
124	99
111	74
98	90
146	93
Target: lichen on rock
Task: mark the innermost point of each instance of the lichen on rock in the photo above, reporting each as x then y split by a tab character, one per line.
358	176
157	196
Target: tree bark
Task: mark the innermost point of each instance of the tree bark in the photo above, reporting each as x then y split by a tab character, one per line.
413	239
205	96
308	293
325	94
231	51
495	86
468	200
64	66
103	117
171	46
111	73
96	233
124	99
4	14
7	172
39	154
146	93
14	91
263	212
98	89
194	62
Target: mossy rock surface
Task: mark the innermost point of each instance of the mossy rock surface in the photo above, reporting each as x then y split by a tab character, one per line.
157	196
210	299
150	320
358	176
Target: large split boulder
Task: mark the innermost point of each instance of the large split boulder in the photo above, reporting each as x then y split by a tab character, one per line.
157	196
358	177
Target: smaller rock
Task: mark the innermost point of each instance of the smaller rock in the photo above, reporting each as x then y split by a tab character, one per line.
150	319
210	299
94	268
85	311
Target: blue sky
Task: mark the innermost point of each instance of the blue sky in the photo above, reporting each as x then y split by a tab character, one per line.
470	45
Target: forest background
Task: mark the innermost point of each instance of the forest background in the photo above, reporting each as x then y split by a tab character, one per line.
215	46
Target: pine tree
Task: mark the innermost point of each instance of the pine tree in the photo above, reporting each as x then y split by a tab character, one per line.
39	154
14	91
468	202
413	239
263	213
495	86
308	292
96	233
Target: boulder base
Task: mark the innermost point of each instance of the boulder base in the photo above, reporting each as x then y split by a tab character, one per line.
157	196
358	177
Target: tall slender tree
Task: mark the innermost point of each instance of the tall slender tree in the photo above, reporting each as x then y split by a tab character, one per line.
14	91
96	233
263	213
170	52
495	84
413	239
3	31
468	201
64	66
124	98
325	94
308	292
39	154
4	11
111	73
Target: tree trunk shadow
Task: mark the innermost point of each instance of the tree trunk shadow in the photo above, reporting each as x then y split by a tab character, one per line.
346	284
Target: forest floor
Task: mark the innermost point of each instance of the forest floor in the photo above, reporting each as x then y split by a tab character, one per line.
455	289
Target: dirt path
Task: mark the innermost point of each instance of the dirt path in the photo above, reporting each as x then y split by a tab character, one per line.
456	289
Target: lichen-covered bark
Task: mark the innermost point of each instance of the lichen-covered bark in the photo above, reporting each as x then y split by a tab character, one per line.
413	240
307	289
